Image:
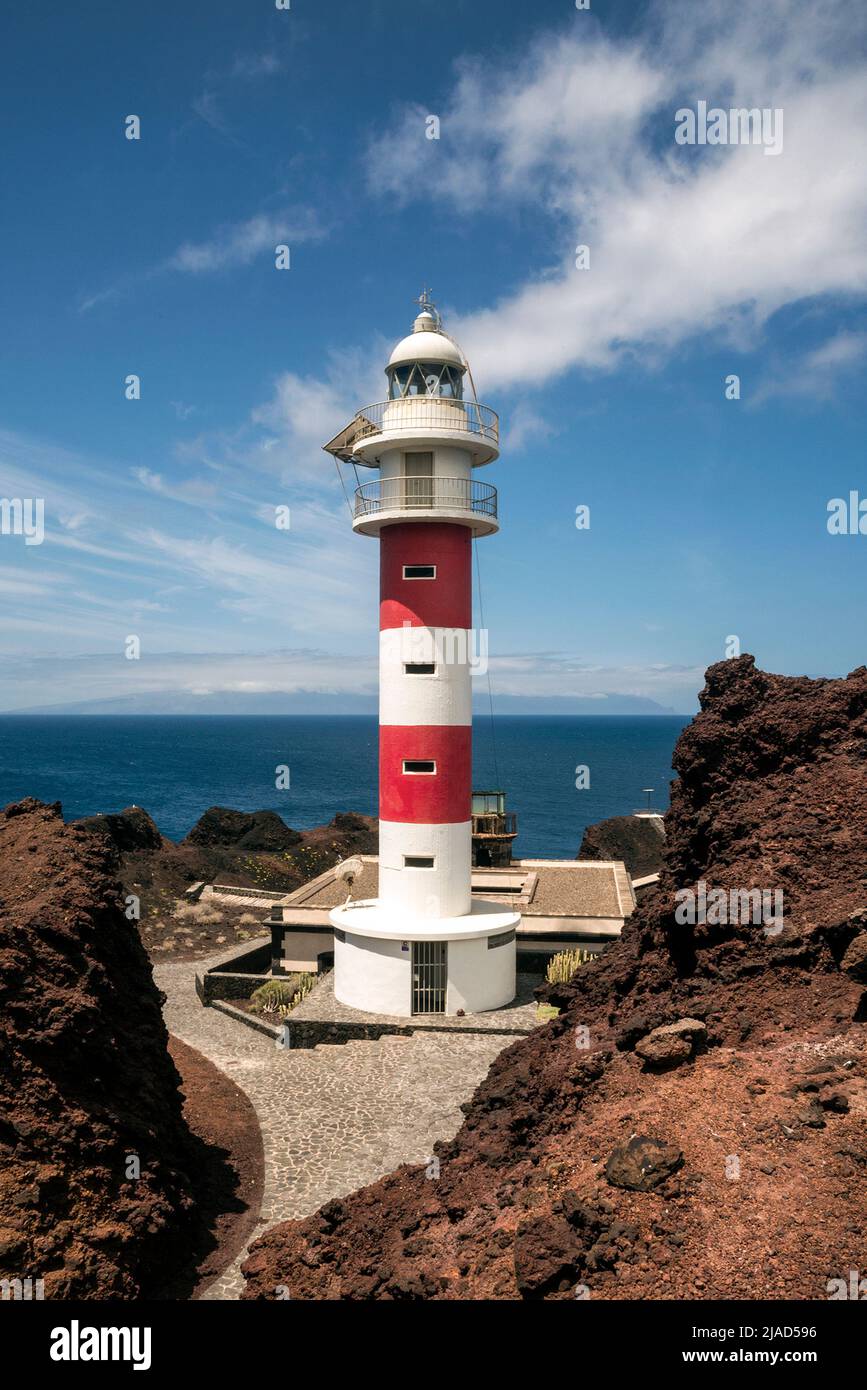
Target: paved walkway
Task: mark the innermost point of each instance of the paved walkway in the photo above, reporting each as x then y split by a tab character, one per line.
333	1118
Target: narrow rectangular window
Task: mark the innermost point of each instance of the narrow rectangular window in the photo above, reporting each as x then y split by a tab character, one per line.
426	765
419	668
418	861
419	571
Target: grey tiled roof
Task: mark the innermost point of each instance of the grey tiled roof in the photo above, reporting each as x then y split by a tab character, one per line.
562	888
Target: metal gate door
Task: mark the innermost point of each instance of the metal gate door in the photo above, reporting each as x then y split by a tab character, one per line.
429	975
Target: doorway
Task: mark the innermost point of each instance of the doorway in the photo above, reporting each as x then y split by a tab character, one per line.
429	977
418	480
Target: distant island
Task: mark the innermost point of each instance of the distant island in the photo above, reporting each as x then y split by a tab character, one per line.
307	702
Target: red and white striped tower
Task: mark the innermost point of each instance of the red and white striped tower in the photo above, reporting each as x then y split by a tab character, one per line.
423	945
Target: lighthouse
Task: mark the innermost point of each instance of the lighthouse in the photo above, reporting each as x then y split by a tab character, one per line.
423	945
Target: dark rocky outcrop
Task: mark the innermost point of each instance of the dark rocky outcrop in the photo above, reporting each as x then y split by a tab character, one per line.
98	1170
129	830
638	840
262	831
771	794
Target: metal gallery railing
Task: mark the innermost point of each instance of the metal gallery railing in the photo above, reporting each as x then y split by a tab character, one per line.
428	412
426	494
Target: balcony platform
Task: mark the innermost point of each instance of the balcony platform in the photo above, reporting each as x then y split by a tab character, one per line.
414	422
370	918
462	500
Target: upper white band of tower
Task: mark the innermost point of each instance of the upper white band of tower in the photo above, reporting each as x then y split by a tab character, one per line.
443	696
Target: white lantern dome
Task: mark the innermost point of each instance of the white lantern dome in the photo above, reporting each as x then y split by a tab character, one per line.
427	344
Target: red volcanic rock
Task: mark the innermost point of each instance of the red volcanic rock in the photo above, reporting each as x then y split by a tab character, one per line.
671	1044
643	1163
769	1116
87	1086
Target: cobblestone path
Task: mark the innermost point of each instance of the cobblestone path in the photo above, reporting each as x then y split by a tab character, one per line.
335	1117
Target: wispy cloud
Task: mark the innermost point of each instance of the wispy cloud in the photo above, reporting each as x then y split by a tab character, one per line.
256	65
312	670
208	105
816	374
239	243
232	244
193	490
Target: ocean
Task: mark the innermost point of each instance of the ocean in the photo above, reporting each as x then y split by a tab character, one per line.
175	767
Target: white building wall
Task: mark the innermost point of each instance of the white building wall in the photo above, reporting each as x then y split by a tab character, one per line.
448	462
373	974
480	978
425	894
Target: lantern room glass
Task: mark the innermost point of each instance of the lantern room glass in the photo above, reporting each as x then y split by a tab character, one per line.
426	379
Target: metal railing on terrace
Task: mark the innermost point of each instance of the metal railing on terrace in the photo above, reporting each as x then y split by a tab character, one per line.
428	412
495	823
426	494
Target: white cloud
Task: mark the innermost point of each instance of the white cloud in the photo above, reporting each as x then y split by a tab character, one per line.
239	243
232	244
256	65
817	373
685	241
525	426
207	108
290	671
196	491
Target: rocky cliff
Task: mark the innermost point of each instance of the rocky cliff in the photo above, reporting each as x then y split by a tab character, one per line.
638	840
694	1123
97	1167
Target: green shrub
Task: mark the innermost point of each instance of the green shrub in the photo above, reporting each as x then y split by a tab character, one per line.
281	996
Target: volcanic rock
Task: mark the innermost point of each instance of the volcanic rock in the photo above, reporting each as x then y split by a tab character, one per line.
643	1163
672	1043
132	829
547	1250
638	840
97	1167
854	961
254	830
241	849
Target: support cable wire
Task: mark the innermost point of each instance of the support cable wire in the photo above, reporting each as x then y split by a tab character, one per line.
343	485
490	688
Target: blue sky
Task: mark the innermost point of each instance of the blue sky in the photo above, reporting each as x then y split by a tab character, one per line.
307	127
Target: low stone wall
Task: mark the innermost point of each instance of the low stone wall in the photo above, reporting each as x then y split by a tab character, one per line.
312	1032
225	985
236	973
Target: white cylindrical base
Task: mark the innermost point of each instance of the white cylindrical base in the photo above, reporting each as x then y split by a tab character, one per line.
375	973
